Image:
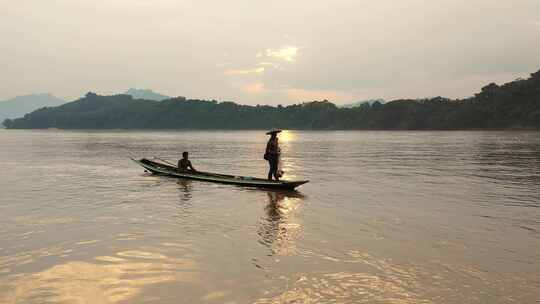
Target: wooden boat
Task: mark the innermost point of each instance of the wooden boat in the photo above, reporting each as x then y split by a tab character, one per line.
162	168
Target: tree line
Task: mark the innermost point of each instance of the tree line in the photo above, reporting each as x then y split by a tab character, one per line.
512	105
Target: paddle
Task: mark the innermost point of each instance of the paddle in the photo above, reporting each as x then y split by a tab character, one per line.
165	161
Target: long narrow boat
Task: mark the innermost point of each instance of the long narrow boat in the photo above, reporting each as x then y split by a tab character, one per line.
162	168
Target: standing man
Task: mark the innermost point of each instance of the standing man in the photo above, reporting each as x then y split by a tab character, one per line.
272	154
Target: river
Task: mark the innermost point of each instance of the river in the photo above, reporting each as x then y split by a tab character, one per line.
387	217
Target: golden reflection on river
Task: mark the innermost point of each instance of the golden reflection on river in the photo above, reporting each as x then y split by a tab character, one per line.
281	226
374	281
105	280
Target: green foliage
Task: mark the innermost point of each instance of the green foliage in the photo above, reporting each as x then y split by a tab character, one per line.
513	105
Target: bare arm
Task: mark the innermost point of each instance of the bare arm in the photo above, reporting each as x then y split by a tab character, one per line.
191	166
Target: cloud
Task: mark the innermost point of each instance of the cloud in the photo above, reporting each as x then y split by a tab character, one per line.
286	53
223	64
253	88
269	64
301	95
258	70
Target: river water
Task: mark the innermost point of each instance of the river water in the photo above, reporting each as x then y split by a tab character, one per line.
387	217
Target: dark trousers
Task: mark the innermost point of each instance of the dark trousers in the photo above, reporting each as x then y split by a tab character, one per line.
273	160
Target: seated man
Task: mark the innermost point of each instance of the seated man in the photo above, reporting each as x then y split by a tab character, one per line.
184	164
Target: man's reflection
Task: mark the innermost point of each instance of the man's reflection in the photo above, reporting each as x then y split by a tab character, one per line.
186	188
281	226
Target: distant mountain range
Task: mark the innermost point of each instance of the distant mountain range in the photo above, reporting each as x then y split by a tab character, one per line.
360	103
20	105
146	94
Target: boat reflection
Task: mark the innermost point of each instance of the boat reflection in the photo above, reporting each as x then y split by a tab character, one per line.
281	226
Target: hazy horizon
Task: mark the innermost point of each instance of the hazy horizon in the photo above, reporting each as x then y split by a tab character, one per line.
266	53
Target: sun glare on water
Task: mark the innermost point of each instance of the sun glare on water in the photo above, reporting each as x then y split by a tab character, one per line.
287	136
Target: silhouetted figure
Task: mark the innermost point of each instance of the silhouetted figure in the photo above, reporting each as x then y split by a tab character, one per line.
184	164
272	154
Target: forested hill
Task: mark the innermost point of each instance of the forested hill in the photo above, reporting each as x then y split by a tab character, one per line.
513	105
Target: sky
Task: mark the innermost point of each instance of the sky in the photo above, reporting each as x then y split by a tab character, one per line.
266	52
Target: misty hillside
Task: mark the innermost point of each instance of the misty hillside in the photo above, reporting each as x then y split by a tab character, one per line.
146	94
360	103
512	105
21	105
